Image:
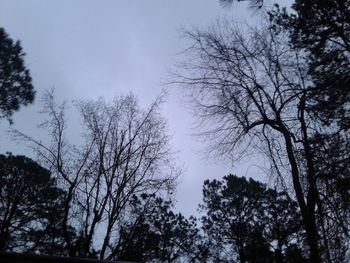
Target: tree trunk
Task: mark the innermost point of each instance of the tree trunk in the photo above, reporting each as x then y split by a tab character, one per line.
308	214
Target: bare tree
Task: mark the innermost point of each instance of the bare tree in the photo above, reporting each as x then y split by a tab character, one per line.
125	151
249	87
252	3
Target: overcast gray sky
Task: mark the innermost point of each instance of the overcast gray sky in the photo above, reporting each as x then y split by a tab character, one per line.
87	49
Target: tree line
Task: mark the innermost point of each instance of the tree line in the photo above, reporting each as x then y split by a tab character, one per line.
280	89
242	220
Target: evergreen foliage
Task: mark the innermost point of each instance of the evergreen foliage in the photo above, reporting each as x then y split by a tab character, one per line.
16	87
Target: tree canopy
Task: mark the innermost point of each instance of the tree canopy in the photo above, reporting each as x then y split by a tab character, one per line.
31	205
16	87
248	222
255	87
281	88
124	151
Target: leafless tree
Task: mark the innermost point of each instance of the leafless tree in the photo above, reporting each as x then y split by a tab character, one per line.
249	87
125	152
252	3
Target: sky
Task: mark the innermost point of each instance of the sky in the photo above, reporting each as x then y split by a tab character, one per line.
86	49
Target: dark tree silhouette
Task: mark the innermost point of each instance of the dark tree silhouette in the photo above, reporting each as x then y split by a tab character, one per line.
251	223
15	82
157	234
253	3
243	220
322	30
249	87
125	150
30	207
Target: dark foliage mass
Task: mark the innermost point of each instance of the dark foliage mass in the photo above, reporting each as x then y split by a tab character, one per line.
16	87
256	224
322	28
30	207
159	234
243	220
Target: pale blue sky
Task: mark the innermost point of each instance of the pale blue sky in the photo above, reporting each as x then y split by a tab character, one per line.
87	49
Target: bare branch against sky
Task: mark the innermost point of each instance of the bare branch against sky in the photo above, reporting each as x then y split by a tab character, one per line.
91	49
